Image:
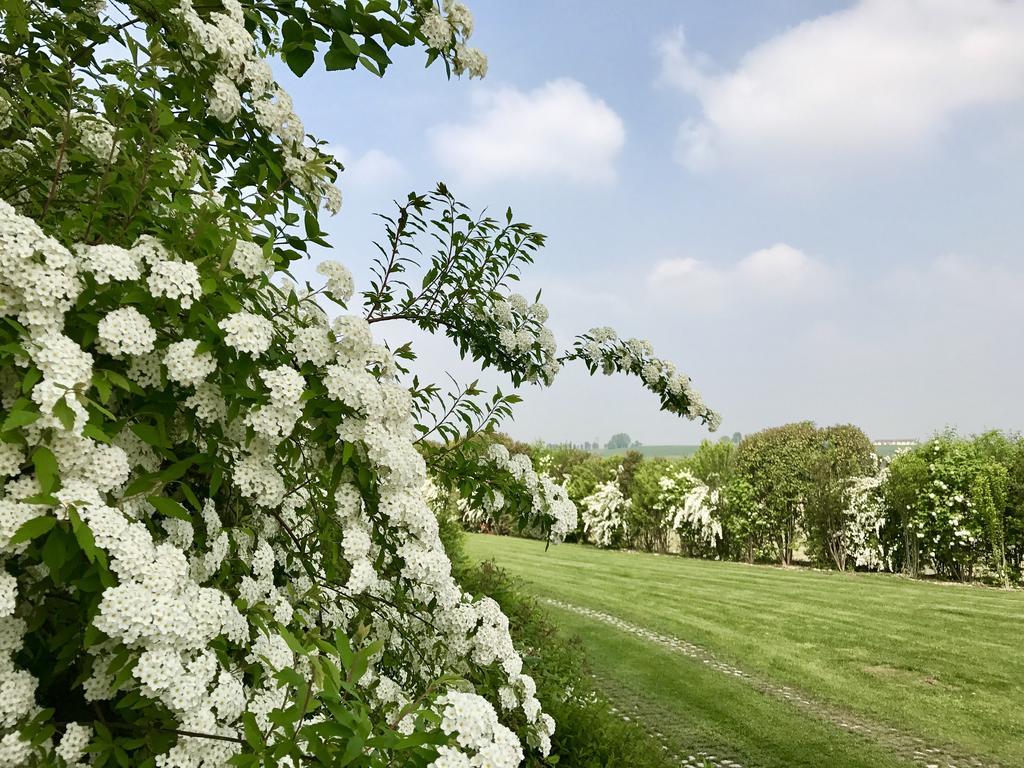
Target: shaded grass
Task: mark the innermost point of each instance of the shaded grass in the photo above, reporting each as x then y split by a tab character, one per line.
940	662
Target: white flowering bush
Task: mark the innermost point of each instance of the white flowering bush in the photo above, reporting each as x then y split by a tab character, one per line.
604	522
948	500
691	509
865	519
215	542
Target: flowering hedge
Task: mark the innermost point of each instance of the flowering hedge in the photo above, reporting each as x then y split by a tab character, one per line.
215	539
951	506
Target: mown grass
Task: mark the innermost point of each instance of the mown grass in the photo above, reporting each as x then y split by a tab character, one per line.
940	662
696	709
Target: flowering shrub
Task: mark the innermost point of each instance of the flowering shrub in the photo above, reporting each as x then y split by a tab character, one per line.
696	516
215	542
603	521
954	521
865	519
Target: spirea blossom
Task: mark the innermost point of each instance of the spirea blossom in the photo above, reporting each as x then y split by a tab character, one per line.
109	262
247	332
187	366
248	259
339	279
126	331
97	137
225	101
175	280
74	742
436	31
471	61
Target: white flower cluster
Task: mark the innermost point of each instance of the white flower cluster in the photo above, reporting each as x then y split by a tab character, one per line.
248	259
186	365
6	112
602	349
97	137
690	507
73	743
521	332
126	331
551	509
482	740
177	280
248	332
449	31
698	512
221	40
339	280
602	516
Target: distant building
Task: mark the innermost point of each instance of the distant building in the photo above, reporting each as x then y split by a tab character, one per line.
896	443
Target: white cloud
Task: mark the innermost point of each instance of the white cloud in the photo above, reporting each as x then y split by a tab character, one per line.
371	169
558	130
882	75
779	274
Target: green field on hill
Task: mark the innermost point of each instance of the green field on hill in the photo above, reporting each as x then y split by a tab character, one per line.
653	451
783	667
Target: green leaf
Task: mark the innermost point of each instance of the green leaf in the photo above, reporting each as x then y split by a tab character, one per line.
253	734
33	375
151	435
55	552
47	471
299	60
17	419
63	412
169	507
177	469
338	57
85	539
94	431
32	529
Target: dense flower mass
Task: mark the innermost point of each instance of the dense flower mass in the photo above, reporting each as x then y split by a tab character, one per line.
603	520
215	537
548	509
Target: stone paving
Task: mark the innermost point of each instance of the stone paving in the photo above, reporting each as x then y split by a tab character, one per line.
910	747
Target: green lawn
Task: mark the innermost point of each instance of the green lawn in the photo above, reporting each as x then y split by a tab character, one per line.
939	662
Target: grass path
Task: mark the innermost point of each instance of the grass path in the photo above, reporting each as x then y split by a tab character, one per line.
896	746
894	659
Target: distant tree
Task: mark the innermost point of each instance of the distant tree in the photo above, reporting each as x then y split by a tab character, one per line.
646	523
908	472
950	496
1008	451
636	444
618	442
714	464
737	437
841	454
777	463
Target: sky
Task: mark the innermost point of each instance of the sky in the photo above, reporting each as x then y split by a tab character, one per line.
812	208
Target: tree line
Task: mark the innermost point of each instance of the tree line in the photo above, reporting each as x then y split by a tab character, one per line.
951	507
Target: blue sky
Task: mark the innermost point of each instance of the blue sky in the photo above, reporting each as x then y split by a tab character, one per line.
812	207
